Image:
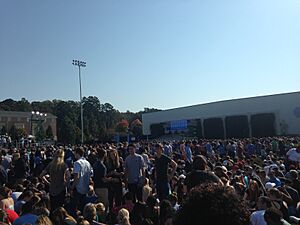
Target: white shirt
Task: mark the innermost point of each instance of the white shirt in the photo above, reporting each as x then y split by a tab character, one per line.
293	155
84	169
257	218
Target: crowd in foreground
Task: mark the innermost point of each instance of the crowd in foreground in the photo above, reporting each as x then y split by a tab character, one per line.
237	181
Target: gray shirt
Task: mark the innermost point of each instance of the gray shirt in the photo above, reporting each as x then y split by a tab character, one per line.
133	166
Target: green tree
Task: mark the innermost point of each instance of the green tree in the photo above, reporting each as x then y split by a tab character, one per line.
69	132
3	130
8	105
40	132
49	132
23	105
91	108
21	133
67	119
13	132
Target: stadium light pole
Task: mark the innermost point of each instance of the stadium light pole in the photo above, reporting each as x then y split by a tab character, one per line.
80	64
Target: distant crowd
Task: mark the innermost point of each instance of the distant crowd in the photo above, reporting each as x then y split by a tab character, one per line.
236	182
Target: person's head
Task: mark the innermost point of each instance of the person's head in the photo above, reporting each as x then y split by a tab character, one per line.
82	221
273	216
79	152
112	154
248	170
19	188
263	203
272	174
200	163
123	217
151	201
4	192
293	174
159	149
59	153
101	153
218	204
274	194
131	149
89	212
26	195
100	208
60	215
43	220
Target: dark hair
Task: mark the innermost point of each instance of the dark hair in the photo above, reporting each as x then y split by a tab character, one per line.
80	151
138	213
4	191
218	204
158	145
166	211
266	200
199	163
101	153
273	214
131	145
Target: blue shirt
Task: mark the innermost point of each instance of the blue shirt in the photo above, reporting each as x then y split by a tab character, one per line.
26	219
133	166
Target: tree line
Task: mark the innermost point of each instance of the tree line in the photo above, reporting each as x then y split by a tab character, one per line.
101	120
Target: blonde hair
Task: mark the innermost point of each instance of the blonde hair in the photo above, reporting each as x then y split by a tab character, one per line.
89	212
57	161
43	220
123	217
100	207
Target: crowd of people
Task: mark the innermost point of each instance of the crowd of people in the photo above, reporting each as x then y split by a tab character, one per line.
235	181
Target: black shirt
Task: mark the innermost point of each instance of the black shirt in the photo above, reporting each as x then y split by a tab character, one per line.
99	173
161	167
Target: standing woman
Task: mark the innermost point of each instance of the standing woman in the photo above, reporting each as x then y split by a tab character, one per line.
57	169
114	170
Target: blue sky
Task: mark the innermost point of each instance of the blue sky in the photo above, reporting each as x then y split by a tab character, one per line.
149	53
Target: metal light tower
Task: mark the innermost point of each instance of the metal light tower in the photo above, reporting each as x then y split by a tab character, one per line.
80	64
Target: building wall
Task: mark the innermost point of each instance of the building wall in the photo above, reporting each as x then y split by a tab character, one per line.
286	108
23	120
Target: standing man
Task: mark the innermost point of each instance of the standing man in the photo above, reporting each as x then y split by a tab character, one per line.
82	174
134	173
162	163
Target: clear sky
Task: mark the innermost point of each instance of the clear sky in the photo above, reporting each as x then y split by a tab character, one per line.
149	53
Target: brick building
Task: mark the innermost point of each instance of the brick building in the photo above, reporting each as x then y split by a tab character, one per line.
28	121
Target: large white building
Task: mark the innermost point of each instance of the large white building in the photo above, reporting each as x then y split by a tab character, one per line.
247	117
